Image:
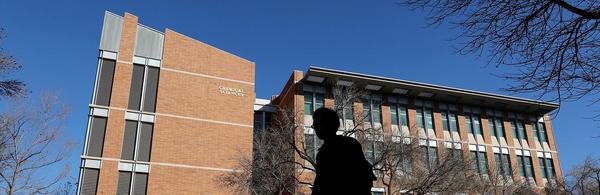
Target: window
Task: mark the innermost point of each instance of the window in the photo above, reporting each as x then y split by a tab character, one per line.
496	127
144	84
313	98
449	121
311	143
547	168
518	128
399	114
473	122
525	166
137	135
479	160
539	131
262	120
424	118
126	179
502	164
89	181
372	109
96	136
429	155
104	83
374	149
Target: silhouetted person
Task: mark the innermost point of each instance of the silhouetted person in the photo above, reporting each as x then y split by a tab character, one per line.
341	165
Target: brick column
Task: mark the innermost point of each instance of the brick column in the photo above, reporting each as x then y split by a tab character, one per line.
437	121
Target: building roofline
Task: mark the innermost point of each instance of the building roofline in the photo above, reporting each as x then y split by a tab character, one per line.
463	92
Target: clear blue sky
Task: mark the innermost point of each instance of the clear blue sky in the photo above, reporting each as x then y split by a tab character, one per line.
57	42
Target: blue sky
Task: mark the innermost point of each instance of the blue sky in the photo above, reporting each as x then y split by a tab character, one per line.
57	42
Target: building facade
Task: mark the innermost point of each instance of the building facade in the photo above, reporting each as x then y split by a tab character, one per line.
498	134
169	114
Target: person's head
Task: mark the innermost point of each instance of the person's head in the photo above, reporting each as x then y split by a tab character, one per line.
325	122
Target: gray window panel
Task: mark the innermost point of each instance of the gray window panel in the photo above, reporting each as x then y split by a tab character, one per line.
145	142
129	140
124	182
89	182
96	139
151	88
105	80
135	92
140	183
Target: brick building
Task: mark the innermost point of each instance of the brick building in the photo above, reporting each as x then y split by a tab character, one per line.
169	114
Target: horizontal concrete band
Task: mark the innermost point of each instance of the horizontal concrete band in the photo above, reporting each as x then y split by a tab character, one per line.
177	116
164	164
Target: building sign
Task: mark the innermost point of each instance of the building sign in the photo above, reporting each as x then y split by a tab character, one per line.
231	91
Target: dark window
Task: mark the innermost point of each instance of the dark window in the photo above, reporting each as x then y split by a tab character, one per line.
308	103
367	110
135	92
105	80
96	139
403	116
129	140
89	182
479	159
145	142
151	88
124	182
140	183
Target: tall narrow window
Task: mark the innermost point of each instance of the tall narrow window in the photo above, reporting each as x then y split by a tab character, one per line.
394	113
313	98
518	128
135	92
89	181
496	127
425	118
96	137
144	85
539	131
135	182
129	137
374	149
104	83
449	121
502	165
473	122
525	166
137	136
151	89
429	155
546	168
124	182
372	109
479	160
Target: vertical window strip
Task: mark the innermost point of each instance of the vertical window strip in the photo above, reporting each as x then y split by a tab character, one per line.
97	130
394	114
104	83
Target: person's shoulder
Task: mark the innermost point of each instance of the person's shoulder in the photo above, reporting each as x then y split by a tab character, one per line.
346	140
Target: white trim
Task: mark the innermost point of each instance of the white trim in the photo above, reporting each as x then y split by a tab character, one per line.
92	163
540	154
526	153
153	62
147	118
206	76
472	147
519	152
376	189
142	168
504	150
496	149
124	166
132	116
548	154
481	148
108	55
103	112
139	60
